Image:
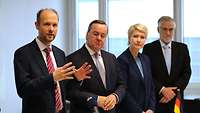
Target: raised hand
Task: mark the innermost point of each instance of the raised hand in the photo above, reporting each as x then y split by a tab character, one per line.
82	72
64	72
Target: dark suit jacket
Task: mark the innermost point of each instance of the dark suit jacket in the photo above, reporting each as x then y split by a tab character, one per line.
78	93
140	91
180	67
34	84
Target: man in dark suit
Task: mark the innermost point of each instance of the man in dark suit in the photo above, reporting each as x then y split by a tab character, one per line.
170	62
37	76
106	88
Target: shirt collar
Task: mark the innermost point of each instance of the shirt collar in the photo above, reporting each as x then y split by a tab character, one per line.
163	44
91	52
41	45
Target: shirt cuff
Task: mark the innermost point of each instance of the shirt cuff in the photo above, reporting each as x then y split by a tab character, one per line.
116	96
161	90
92	101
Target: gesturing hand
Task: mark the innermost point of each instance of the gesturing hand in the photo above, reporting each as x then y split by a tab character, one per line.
82	72
64	72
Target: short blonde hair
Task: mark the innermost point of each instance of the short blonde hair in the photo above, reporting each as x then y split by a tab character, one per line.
137	27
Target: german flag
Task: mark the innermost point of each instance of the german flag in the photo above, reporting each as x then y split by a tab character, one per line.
177	105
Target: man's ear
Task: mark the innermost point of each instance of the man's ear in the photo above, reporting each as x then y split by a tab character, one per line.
36	25
158	29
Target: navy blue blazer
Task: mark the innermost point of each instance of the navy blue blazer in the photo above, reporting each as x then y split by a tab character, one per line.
78	93
34	84
140	90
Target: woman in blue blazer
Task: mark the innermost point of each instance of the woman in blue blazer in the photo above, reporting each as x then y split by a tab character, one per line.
136	69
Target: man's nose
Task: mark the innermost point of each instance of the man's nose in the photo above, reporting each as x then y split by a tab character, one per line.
51	27
99	37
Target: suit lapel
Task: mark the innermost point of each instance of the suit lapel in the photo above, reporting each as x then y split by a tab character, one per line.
174	54
59	62
38	58
145	69
160	55
107	69
159	52
135	67
95	74
137	70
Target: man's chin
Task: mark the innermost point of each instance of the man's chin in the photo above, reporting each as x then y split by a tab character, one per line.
167	41
97	49
51	38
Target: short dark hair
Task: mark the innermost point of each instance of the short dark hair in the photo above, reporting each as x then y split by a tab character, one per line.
96	22
45	9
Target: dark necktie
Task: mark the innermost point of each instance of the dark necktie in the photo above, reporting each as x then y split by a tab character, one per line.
58	99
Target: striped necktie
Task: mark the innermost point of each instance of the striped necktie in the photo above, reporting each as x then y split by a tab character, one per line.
57	92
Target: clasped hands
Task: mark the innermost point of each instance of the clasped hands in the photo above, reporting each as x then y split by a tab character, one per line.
168	94
148	111
107	102
66	72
